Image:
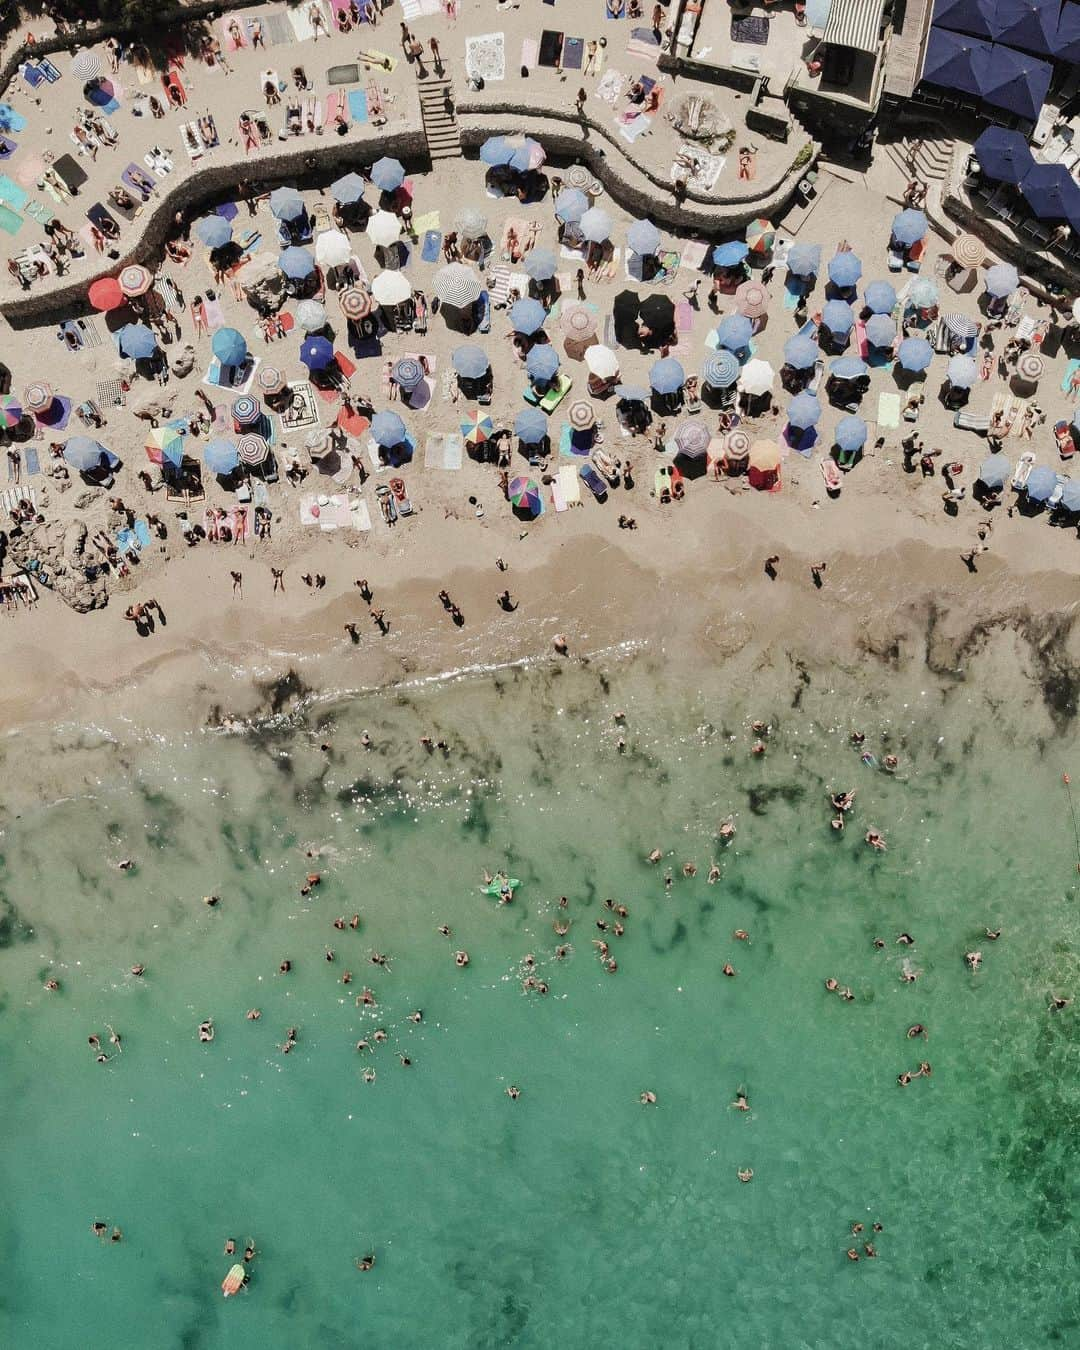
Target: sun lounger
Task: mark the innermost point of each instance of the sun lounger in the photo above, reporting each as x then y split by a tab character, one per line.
189	134
968	421
593	482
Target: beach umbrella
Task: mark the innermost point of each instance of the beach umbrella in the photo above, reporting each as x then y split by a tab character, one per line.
1004	157
962	372
527	317
803	260
470	361
496	151
595	225
391	288
105	294
252	449
86	65
1041	483
880	297
316	353
221	457
1001	280
601	362
880	330
83	453
1030	367
527	156
752	300
355	303
541	264
764	456
848	368
214	231
524	495
844	270
632	393
817	12
1070	495
578	321
311	315
756	378
800	352
347	189
657	312
994	471
270	380
580	415
760	236
387	429
530	426
332	248
578	176
570	205
165	445
246	410
915	354
471	223
837	315
478	428
407	373
296	263
457	285
37	397
286	204
230	347
11	411
542	362
643	237
666	375
960	326
803	411
136	341
135	279
969	251
387	174
730	254
850	434
923	293
383	229
734	332
692	437
909	227
721	370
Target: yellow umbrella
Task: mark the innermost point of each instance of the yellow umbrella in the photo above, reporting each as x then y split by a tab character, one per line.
764	456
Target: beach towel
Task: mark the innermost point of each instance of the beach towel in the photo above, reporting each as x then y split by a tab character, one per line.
684	316
631	130
1066	379
429	252
753	29
31	74
10	120
10	221
276	28
551	45
569	484
644	45
67	169
358	105
573	53
383	60
301	24
530	52
360	515
30	460
343	75
335	103
888	410
610	87
558	501
485	56
215	318
142	533
57	415
7	147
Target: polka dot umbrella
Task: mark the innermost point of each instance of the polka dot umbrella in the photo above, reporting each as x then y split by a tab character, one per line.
580	415
246	410
252	449
135	280
1029	367
355	303
105	294
270	380
578	321
37	397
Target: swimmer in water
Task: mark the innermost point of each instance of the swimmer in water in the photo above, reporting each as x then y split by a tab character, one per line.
727	969
230	1247
917	1030
602	948
416	1016
890	763
905	940
94	1041
461	959
852	1254
139	969
689	869
1057	1002
654	856
365	1262
98	1228
992	934
727	828
365	997
875	840
622	911
973	960
741	935
714	875
745	1174
562	952
647	1098
740	1103
513	1092
561	927
369	1075
378	959
354	922
879	943
832	985
444	929
285	967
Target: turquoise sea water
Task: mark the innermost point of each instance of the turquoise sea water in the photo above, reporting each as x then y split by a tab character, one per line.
574	1216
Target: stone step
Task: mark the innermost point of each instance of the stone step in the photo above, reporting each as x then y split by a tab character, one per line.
440	124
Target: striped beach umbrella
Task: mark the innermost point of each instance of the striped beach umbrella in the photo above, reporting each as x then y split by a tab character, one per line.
760	236
246	410
252	449
570	205
391	288
581	415
383	228
578	176
736	445
471	223
721	370
752	300
311	315
407	373
105	294
469	361
1029	367
960	326
692	437
968	250
165	445
578	321
37	397
355	303
456	285
601	361
135	280
11	411
86	65
270	380
478	428
220	456
524	494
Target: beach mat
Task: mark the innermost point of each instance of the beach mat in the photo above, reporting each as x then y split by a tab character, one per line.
429	252
10	221
573	53
569	483
30	460
551	44
888	410
753	29
530	52
343	75
358	105
1070	371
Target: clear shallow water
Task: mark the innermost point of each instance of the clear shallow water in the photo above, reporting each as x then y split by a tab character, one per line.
573	1216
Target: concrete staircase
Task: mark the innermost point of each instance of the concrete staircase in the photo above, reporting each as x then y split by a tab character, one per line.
931	157
440	122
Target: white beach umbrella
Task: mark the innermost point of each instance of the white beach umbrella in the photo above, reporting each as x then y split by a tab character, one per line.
456	285
311	315
471	223
595	225
383	228
391	288
756	378
602	362
332	248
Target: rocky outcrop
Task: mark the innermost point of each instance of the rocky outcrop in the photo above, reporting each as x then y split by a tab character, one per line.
183	363
63	563
264	284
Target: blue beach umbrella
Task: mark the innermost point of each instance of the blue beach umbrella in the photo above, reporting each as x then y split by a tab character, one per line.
817	12
530	426
837	315
632	393
1070	495
1001	280
136	341
909	227
1041	483
286	204
730	254
82	452
570	205
880	330
721	370
542	362
230	347
527	317
387	174
387	429
214	231
848	368
407	373
734	332
803	411
880	297
915	354
844	270
496	151
800	352
1004	156
666	375
923	293
595	225
541	264
528	155
296	263
643	237
803	260
316	353
221	457
347	189
850	434
994	471
962	372
470	361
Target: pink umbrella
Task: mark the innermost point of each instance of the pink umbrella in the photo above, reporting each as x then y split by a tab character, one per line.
752	300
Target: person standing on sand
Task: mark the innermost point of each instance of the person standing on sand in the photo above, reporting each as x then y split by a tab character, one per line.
278	573
237	584
771	564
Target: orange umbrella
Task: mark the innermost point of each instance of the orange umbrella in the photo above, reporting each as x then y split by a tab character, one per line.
765	456
105	294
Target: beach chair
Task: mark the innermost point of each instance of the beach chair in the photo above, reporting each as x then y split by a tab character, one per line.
969	421
593	482
189	134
